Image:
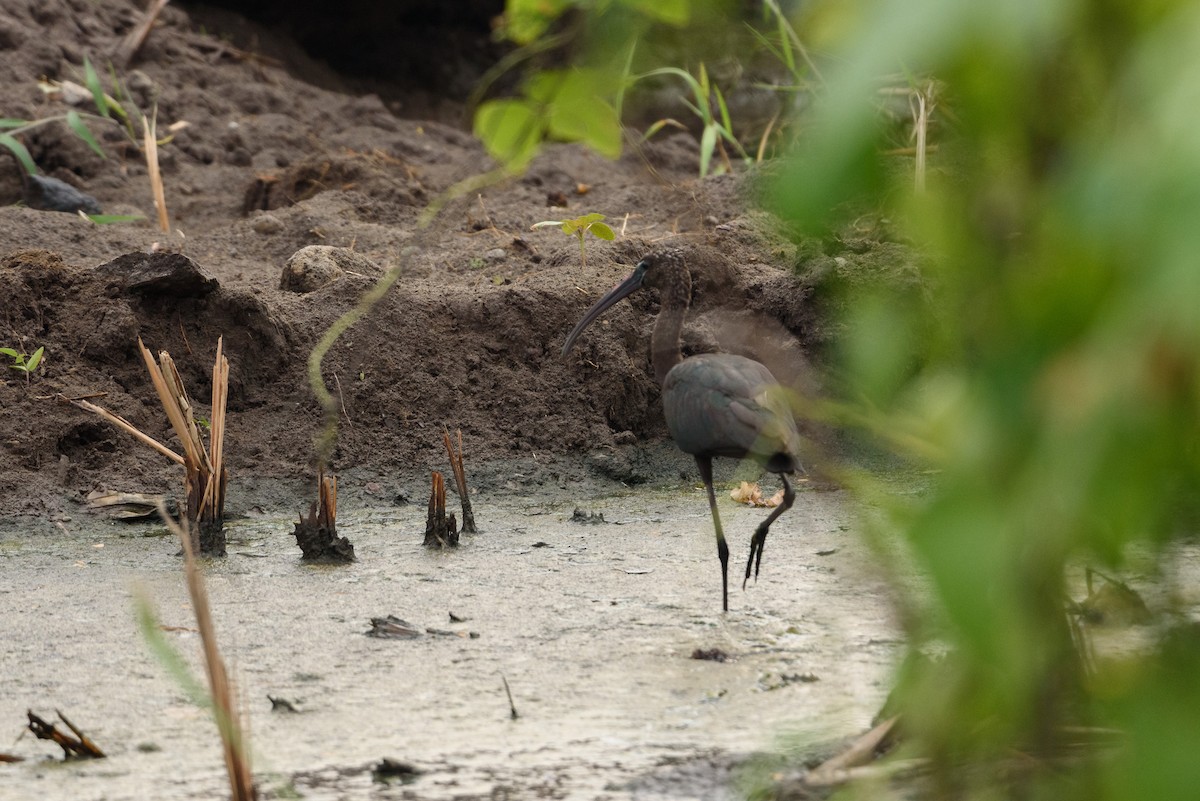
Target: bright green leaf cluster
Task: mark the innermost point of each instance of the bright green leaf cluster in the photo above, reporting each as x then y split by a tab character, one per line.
716	129
527	20
579	227
23	363
573	105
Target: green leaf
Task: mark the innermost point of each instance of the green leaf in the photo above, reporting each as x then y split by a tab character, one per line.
570	226
92	81
18	150
526	20
511	130
708	143
588	219
34	360
581	111
76	124
109	219
11	353
700	108
658	126
672	12
602	231
724	109
8	122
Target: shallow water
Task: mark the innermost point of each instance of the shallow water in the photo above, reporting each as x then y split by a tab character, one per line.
592	625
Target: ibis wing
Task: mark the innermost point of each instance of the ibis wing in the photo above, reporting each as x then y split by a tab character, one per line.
725	405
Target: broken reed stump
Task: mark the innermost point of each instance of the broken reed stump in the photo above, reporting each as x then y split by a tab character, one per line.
441	530
317	534
460	478
77	747
205	476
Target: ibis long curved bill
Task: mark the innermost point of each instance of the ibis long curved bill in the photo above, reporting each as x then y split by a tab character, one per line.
621	290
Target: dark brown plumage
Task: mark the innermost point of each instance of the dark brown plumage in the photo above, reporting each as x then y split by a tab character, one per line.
716	404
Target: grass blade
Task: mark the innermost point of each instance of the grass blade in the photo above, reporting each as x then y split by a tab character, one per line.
18	150
109	219
92	81
76	124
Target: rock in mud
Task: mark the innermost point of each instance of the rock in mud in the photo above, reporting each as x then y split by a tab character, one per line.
171	274
315	266
50	194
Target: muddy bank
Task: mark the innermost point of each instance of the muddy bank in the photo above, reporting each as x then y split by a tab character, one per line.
279	155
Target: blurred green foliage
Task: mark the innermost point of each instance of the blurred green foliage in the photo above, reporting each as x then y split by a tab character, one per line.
608	46
1047	367
1054	363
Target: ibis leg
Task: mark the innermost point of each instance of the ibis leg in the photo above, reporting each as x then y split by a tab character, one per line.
705	466
760	533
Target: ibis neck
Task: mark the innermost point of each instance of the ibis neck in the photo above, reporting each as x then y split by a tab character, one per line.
664	341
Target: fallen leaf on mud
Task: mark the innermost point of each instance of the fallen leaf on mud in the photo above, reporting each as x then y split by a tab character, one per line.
750	494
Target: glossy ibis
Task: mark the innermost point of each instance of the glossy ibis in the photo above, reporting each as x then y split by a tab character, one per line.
716	404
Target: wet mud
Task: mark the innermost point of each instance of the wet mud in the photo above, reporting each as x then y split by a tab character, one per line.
594	627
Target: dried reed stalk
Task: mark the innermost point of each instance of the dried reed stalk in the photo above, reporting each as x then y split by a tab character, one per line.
922	125
205	476
237	764
150	143
122	423
327	494
460	478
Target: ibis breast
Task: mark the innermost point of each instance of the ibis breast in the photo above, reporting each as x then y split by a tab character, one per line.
719	404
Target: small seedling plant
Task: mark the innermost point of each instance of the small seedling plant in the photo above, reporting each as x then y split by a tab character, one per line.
579	228
22	362
119	110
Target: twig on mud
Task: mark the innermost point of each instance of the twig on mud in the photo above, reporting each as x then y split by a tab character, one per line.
183	334
460	478
342	400
77	747
836	769
241	781
491	223
512	708
133	41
